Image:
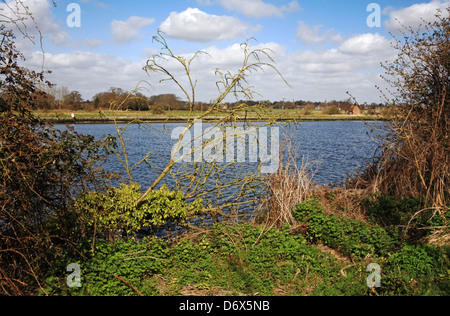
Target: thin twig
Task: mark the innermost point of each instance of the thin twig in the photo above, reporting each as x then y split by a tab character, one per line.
120	279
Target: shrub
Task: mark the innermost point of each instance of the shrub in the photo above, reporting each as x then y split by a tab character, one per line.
331	110
415	142
116	211
386	211
157	109
417	270
259	260
43	169
352	237
115	269
409	213
414	260
414	150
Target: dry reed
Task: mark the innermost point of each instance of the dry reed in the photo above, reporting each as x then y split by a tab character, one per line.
415	159
290	185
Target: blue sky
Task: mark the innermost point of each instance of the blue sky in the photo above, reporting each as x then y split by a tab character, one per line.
348	19
323	48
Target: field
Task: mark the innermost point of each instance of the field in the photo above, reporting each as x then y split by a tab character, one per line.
147	116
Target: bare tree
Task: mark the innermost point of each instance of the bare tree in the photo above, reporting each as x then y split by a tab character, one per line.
415	159
228	83
200	177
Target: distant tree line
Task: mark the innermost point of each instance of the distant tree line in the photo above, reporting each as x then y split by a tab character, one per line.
61	98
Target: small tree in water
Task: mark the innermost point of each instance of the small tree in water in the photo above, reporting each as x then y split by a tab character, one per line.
210	180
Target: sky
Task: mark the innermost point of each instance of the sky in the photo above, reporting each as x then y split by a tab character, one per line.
325	49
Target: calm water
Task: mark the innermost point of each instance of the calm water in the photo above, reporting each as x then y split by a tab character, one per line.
339	148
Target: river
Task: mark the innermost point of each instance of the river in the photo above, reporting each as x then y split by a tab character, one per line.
336	148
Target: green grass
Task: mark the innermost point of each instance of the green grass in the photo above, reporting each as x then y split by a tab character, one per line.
227	260
324	255
63	116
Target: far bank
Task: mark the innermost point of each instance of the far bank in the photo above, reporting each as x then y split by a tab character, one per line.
107	117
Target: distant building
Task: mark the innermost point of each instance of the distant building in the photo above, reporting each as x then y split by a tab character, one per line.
354	110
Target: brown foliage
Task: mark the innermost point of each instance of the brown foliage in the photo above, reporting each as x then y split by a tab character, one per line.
415	159
289	186
43	170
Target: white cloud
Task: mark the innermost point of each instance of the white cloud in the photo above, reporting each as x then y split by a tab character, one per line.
129	30
353	66
363	44
363	52
198	26
205	2
414	15
313	74
231	57
312	35
89	72
259	8
44	21
226	59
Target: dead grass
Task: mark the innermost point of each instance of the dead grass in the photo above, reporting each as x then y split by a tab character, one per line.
293	184
200	290
343	202
440	237
290	185
168	286
334	253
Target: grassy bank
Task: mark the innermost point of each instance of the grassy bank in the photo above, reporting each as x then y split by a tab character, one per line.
324	253
57	116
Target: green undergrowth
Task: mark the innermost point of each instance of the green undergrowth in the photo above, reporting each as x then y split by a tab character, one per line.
408	266
323	255
351	237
